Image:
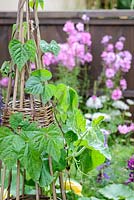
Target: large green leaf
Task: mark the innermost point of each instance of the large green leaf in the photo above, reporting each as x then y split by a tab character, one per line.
50	140
48	92
53	47
34	86
45	177
42	74
33	163
30	46
10	146
18	53
117	191
38	2
15	120
62	163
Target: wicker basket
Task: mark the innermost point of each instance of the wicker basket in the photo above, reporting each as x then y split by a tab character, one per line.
41	114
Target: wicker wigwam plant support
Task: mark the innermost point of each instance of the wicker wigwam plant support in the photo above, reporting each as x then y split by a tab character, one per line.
26	103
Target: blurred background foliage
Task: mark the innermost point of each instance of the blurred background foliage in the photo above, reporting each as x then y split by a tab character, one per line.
110	4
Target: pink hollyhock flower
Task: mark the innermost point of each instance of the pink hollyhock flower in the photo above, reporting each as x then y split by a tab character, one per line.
126	65
123	84
119	45
127	55
106	39
116	94
122	39
110	47
131	127
69	27
86	38
109	83
48	58
109	73
80	26
88	57
123	129
4	82
85	18
110	57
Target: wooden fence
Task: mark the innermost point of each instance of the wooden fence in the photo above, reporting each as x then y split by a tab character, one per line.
114	23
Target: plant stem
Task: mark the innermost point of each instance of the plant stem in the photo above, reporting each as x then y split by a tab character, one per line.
18	181
23	183
63	195
9	185
3	181
53	183
37	192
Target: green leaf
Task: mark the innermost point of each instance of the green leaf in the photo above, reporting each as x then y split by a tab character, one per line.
97	121
10	146
62	163
48	92
18	53
5	68
41	2
14	27
34	86
45	47
38	2
117	191
45	177
50	140
42	74
73	98
32	160
83	158
70	137
54	47
15	120
30	46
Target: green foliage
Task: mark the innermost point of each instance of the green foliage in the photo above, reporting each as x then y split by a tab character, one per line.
21	53
124	4
5	68
53	47
117	192
15	28
35	83
38	3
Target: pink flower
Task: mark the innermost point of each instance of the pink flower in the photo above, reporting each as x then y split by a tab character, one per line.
32	65
116	94
48	58
123	84
122	39
4	82
88	57
109	83
109	73
85	18
119	45
80	26
123	129
106	39
131	127
110	58
86	38
110	47
69	27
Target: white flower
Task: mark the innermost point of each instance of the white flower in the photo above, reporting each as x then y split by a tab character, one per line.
120	105
88	122
115	113
88	116
104	98
128	114
94	102
130	102
98	114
